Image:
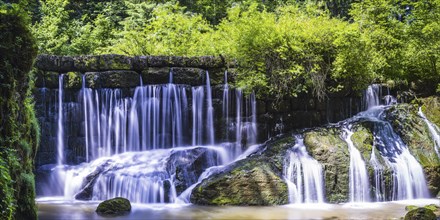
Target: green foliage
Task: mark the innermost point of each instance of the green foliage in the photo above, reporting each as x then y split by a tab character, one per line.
283	47
18	125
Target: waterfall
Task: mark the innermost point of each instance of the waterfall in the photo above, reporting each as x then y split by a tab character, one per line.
303	175
359	182
60	128
379	181
210	111
140	143
225	103
198	94
372	96
433	130
408	178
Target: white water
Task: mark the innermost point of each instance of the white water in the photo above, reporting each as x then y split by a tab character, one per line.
60	129
359	182
304	176
379	181
408	178
433	130
134	143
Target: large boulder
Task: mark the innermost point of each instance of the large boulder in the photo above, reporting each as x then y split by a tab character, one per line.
114	207
257	180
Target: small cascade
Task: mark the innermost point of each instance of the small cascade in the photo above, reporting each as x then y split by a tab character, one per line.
60	128
379	181
372	96
304	176
434	131
225	107
210	111
238	121
359	182
408	178
198	94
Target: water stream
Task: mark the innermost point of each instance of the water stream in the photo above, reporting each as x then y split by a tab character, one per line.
303	175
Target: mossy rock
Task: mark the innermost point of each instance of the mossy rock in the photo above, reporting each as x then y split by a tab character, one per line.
73	80
363	140
249	182
431	109
112	79
113	207
326	146
257	180
414	133
420	214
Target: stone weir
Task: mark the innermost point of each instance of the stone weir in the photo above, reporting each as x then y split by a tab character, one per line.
127	73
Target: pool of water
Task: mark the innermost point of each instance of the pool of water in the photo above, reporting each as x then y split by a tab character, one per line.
57	208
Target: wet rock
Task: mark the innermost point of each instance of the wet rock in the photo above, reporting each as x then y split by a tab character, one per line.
256	180
112	79
420	214
54	63
326	146
86	192
187	166
156	75
432	174
188	76
114	207
48	79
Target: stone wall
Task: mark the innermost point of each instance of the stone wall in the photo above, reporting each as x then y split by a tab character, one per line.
116	71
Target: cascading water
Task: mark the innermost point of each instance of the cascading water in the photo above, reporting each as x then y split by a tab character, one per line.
408	178
359	182
60	129
137	146
433	130
379	181
303	175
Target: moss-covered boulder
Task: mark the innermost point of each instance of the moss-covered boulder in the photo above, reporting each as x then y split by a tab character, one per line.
257	180
414	132
326	146
113	207
420	214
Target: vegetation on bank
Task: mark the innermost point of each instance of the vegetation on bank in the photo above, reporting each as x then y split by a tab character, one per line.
19	130
283	47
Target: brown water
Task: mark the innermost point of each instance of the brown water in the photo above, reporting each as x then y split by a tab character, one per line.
60	209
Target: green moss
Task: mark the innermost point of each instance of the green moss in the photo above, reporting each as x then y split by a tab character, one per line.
363	140
115	206
19	130
420	213
73	80
431	109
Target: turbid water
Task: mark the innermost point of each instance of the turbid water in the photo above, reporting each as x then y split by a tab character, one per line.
53	208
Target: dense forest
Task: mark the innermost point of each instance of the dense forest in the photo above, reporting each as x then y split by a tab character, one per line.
283	47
